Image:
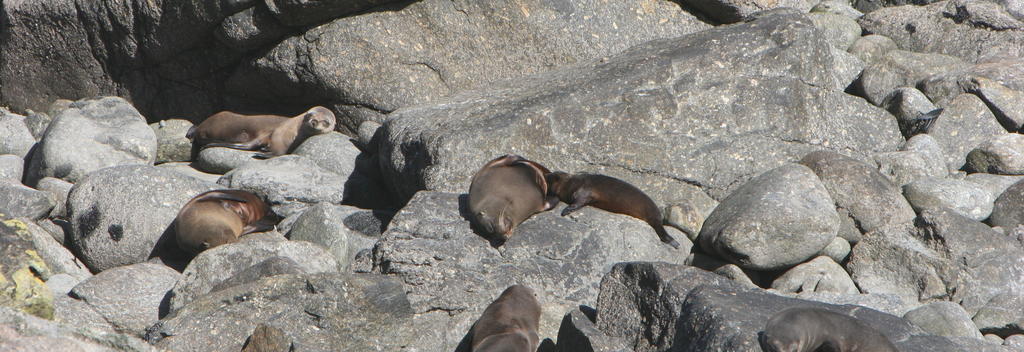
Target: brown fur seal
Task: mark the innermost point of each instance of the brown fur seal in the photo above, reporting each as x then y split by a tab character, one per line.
277	135
510	323
607	193
505	192
804	329
217	217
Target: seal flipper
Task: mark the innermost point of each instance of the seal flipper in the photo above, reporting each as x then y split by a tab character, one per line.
266	223
580	199
222	196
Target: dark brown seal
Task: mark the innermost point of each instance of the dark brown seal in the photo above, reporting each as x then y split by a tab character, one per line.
510	323
277	135
505	192
610	194
214	218
804	329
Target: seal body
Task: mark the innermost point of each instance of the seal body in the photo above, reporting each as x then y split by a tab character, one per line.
808	329
214	218
510	323
505	192
277	135
610	194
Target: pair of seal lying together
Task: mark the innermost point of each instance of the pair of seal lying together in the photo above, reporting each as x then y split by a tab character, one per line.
510	323
810	329
508	190
276	135
219	217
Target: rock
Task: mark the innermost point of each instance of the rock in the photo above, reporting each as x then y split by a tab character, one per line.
365	187
886	303
964	197
847	68
972	30
37	122
131	298
735	274
266	338
22	274
1008	210
12	167
58	190
72	312
89	135
993	338
931	343
727	11
689	217
904	167
641	302
741	276
838	249
171	144
1006	104
900	68
119	215
837	8
941	88
218	160
881	263
18	140
944	319
964	125
212	267
1001	155
57	258
366	66
994	184
289	183
451	273
57	228
840	31
1002	315
23	332
866	194
328	226
821	274
23	202
439	147
186	169
579	334
250	29
318	311
766	225
61	284
908	105
276	265
332	151
367	131
301	13
1016	341
872	47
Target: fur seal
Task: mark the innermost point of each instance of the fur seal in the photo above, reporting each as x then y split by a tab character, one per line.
214	218
510	323
276	135
805	329
505	192
610	194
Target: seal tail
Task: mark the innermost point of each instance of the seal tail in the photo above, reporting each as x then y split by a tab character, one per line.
663	235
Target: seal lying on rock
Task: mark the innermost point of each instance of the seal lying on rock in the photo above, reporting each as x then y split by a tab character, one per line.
277	135
804	329
505	192
214	218
610	194
510	323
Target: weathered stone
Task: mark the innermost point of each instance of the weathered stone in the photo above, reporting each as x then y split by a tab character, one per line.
904	167
171	142
131	298
18	140
872	47
1006	104
944	319
1002	155
838	8
329	226
17	200
689	217
57	258
900	68
186	169
1008	211
302	13
821	274
994	184
908	105
839	31
332	151
1016	341
22	274
250	29
289	183
964	197
267	338
12	167
838	249
892	260
58	190
367	133
847	68
22	332
218	160
865	193
579	334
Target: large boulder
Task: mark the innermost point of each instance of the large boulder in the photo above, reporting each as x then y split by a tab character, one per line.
321	312
965	124
119	214
289	183
452	274
171	142
859	188
368	65
1008	210
58	258
301	12
131	298
902	68
965	197
89	135
944	319
338	228
23	201
645	115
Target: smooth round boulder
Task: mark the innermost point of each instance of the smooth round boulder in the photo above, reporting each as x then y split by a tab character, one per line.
17	138
944	319
819	275
961	196
220	161
291	183
838	30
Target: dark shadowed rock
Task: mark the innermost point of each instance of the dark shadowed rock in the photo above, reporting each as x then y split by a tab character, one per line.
130	298
267	338
289	183
301	13
579	334
320	312
766	225
730	11
868	196
119	214
250	29
944	319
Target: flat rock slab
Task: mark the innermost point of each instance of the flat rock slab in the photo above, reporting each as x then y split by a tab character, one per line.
131	297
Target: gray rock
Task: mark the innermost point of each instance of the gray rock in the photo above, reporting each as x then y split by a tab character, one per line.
561	258
766	225
871	200
931	343
930	149
12	167
60	284
1016	341
171	142
904	167
19	201
880	263
900	68
58	190
186	169
838	8
840	31
1008	211
729	11
871	47
56	257
886	303
250	29
131	298
18	140
972	30
267	338
713	264
37	122
963	197
212	267
821	274
367	131
332	151
290	183
1002	155
276	265
579	334
838	249
21	332
944	319
965	124
993	338
908	105
994	184
119	214
941	88
301	13
73	312
847	68
439	147
90	135
57	228
1007	104
847	227
689	217
319	311
328	225
1002	315
218	160
736	274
